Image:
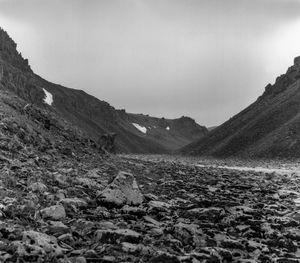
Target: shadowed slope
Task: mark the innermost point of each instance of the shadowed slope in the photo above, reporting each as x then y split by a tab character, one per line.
270	127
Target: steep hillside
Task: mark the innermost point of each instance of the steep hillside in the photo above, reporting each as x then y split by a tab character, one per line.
91	115
270	127
170	133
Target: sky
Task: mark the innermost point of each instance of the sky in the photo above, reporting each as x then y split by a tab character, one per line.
207	59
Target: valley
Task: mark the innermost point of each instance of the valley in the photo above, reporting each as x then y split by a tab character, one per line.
174	192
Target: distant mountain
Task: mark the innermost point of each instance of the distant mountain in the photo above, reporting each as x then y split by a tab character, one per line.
171	133
136	133
270	127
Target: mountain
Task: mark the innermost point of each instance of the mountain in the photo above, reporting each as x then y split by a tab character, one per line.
135	133
270	127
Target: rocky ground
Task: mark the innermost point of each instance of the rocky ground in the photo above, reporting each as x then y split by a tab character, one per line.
85	207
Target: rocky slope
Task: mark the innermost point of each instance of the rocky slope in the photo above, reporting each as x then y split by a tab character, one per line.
89	114
267	128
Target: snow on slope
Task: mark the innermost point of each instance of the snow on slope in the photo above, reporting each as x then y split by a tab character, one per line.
48	97
140	128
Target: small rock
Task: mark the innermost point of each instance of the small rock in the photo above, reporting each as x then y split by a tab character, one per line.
76	202
133	210
107	259
150	197
117	236
227	242
156	232
66	238
60	179
189	234
152	221
55	212
78	260
102	212
211	213
38	187
89	183
129	247
158	206
107	225
57	228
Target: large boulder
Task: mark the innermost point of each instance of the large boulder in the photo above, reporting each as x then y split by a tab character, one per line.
123	190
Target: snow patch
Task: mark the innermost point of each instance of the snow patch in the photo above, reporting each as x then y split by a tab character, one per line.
254	169
168	128
48	99
140	128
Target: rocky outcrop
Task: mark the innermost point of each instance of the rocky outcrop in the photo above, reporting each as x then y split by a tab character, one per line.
285	80
9	53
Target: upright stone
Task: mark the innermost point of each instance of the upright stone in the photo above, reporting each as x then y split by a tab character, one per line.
123	190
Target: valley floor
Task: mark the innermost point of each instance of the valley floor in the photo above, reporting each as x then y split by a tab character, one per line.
192	210
260	165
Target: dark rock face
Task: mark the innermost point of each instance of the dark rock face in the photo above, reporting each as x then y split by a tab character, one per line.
9	53
267	128
107	143
297	61
285	80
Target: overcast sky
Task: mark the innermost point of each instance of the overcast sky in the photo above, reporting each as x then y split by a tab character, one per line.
207	59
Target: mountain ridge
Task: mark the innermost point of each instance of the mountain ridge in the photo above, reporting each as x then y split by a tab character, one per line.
93	116
267	128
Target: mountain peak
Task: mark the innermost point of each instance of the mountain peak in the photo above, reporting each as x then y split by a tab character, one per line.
297	61
285	80
9	53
